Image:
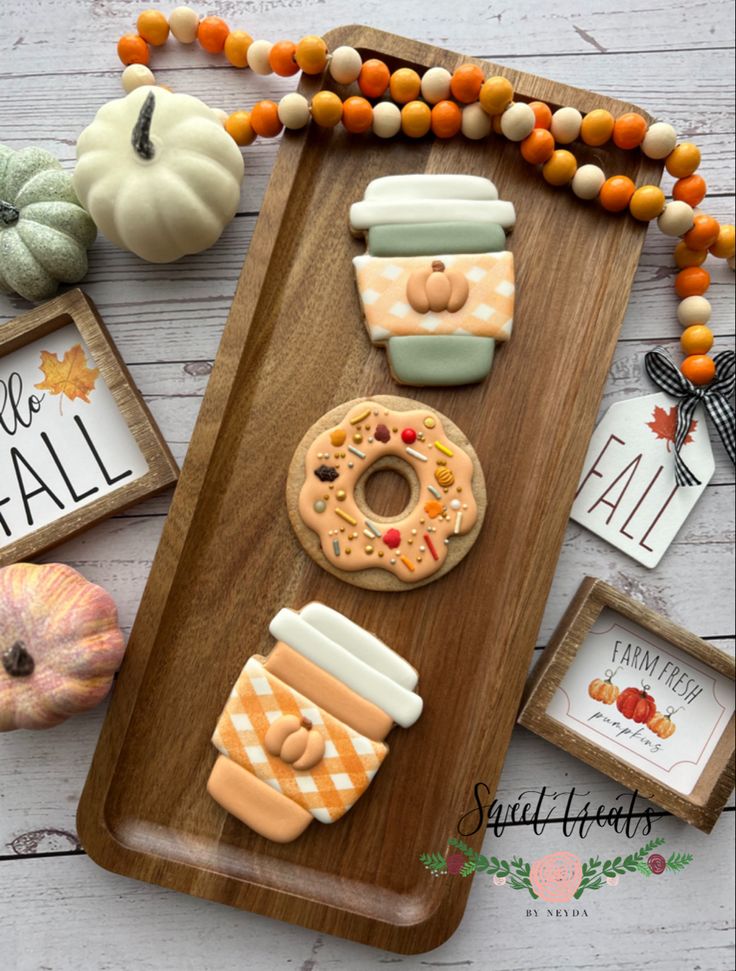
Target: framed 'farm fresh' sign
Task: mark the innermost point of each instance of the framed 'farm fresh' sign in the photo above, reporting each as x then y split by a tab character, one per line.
641	699
77	442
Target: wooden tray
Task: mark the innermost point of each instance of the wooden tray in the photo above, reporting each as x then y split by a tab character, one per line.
294	347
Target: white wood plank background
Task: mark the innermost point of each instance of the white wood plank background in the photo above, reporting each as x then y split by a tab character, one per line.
60	911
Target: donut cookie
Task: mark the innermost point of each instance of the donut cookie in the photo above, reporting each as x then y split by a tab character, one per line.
327	503
303	731
436	284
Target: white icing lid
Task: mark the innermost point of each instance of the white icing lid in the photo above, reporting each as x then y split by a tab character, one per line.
403	705
368	213
431	186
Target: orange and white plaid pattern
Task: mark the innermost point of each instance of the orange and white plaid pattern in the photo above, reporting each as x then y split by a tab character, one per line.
488	312
332	786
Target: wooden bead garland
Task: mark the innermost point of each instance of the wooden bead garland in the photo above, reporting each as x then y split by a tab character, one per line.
416	105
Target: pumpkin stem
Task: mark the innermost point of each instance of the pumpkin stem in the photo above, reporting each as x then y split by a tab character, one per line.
438	266
610	675
17	661
646	688
141	138
306	723
9	215
672	711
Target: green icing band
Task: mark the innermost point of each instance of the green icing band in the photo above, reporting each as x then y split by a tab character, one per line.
431	239
440	359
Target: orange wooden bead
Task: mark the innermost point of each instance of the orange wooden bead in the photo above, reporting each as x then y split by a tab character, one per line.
466	83
404	85
538	147
264	117
542	114
704	232
311	54
725	246
597	127
239	127
416	119
693	281
647	203
446	119
236	47
212	34
153	27
629	130
357	114
697	339
683	160
560	167
684	256
699	368
616	192
374	78
496	95
282	58
691	190
132	49
326	109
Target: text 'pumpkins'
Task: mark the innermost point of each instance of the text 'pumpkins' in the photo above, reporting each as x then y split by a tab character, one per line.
159	174
60	644
44	232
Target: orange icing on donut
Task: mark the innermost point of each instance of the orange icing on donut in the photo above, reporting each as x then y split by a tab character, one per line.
353	538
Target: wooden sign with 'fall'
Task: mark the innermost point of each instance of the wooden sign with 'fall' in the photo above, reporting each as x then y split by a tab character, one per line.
76	440
627	492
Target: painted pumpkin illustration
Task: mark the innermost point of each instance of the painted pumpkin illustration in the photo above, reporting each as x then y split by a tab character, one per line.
295	742
437	289
60	644
604	690
661	723
637	704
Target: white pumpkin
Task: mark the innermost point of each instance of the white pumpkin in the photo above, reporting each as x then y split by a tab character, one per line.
158	174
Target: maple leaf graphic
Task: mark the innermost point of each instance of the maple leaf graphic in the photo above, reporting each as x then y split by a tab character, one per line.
664	425
69	377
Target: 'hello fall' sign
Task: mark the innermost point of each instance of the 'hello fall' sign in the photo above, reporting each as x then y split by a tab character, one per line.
627	493
63	441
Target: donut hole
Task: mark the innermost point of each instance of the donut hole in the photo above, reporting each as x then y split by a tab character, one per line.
388	490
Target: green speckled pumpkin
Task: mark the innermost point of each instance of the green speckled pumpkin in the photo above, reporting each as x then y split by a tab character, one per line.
44	232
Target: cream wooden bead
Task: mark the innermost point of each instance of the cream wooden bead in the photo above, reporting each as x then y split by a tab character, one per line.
659	140
517	122
294	110
436	85
475	122
135	76
345	65
258	57
676	219
566	124
184	24
693	310
588	181
386	119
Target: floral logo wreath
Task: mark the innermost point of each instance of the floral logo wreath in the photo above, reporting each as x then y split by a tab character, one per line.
557	878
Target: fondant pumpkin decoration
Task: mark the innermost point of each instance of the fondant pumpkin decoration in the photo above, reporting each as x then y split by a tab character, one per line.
44	232
295	742
159	174
604	690
60	644
661	723
636	704
437	289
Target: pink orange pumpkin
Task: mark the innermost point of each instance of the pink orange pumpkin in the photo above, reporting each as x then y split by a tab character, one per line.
60	644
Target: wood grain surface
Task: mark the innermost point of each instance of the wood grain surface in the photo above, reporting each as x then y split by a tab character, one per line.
293	348
61	911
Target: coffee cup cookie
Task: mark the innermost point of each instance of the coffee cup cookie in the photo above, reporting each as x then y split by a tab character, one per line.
326	493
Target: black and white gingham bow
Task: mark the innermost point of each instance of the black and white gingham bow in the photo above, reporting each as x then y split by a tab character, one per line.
713	396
